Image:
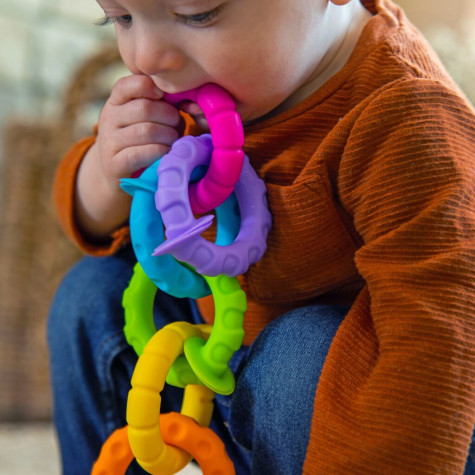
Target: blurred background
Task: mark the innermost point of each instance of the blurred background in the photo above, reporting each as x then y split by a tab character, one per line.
56	68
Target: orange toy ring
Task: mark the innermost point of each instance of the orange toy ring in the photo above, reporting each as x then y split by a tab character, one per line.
177	430
201	442
116	454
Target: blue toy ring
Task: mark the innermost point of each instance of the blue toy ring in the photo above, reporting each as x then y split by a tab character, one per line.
146	228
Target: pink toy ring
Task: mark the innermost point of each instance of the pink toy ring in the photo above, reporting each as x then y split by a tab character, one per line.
183	230
228	139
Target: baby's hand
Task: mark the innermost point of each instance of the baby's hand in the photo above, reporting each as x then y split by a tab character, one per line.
135	128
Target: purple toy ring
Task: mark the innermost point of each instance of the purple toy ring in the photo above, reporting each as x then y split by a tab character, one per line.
183	230
228	139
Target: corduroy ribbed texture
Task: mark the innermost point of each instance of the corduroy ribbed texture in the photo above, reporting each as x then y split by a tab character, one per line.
371	187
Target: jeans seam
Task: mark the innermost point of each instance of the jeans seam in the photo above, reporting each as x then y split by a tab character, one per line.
108	352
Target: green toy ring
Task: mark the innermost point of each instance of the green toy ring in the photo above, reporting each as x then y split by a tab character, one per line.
206	361
137	300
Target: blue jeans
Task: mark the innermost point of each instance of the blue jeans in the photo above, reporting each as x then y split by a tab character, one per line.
264	424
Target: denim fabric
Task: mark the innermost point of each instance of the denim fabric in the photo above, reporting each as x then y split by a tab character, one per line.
470	466
91	362
272	406
264	424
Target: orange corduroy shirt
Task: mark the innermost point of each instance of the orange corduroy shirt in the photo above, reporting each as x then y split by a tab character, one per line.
371	185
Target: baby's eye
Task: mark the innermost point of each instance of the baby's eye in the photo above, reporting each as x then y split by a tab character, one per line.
200	19
122	20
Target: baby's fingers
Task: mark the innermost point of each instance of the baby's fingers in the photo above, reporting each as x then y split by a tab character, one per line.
134	87
132	159
145	110
145	133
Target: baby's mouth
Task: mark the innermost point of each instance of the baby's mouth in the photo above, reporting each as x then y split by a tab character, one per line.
196	112
191	108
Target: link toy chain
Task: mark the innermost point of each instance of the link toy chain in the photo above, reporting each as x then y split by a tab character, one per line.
194	357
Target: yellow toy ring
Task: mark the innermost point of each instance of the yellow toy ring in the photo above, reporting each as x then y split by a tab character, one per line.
143	404
116	453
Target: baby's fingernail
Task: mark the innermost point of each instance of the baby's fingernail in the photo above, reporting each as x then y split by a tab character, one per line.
158	92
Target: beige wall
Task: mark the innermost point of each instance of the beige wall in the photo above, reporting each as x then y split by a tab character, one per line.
449	25
41	43
427	14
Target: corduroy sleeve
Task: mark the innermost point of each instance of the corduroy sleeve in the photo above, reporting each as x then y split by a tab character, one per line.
64	190
408	179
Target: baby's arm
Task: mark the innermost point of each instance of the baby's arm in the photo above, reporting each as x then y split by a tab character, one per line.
407	179
135	128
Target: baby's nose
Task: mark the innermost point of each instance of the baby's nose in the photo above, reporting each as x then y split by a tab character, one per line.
157	55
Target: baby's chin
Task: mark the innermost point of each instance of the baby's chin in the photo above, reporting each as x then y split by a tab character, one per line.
248	117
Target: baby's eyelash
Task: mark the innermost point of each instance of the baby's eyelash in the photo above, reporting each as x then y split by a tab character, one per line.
200	19
123	20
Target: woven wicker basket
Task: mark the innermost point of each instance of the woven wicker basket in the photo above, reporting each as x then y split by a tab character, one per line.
34	254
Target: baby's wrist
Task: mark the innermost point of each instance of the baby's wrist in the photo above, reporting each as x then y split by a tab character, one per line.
99	207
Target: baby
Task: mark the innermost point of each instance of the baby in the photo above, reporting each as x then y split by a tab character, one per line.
358	354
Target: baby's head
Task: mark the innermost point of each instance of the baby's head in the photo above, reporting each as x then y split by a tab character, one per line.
264	52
